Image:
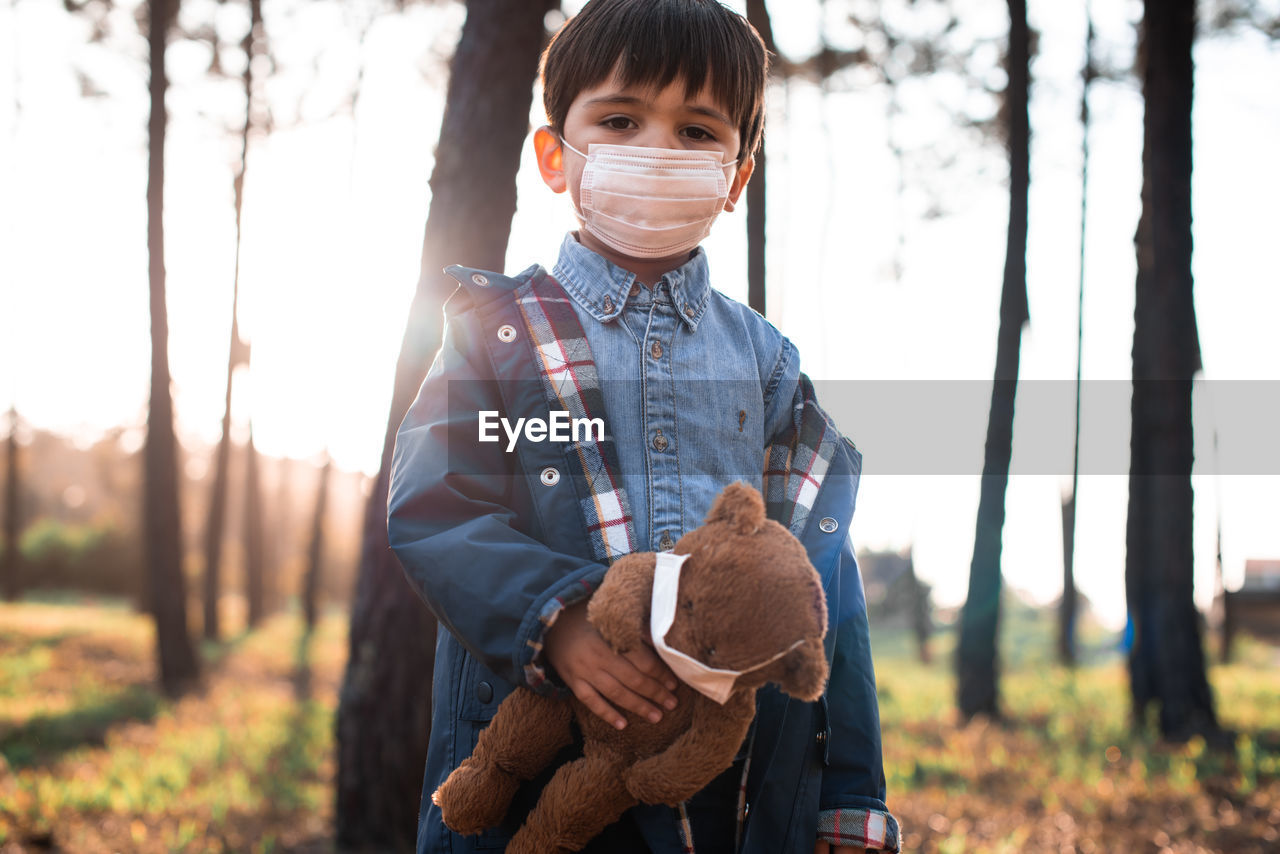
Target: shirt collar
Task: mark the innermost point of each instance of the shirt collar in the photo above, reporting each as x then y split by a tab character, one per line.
602	287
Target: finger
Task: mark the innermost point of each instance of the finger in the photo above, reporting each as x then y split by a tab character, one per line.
646	687
621	695
648	663
590	698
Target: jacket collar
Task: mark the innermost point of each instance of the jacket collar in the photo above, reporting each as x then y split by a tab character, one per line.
602	287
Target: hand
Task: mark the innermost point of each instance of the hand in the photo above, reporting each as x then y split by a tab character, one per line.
603	680
822	846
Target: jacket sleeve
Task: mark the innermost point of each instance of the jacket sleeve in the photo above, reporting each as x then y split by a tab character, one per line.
458	520
852	801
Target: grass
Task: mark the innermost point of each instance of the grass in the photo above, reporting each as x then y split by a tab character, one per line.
93	759
1065	770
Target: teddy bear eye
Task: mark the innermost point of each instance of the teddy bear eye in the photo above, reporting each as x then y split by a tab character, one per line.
709	652
687	604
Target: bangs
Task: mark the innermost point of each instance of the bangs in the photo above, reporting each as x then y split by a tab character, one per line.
653	43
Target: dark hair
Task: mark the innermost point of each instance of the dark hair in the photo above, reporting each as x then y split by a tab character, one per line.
656	42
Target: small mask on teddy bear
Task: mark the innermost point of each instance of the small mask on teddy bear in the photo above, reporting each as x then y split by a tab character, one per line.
734	605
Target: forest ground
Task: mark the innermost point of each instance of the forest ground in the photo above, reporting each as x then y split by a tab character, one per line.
93	759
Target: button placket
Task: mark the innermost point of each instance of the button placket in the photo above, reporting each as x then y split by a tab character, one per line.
662	456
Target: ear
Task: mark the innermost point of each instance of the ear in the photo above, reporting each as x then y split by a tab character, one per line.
550	158
739	505
740	179
620	608
804	671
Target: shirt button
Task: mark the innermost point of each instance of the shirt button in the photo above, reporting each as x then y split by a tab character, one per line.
635	290
506	333
688	311
608	304
828	524
549	476
656	350
484	692
665	543
480	279
660	441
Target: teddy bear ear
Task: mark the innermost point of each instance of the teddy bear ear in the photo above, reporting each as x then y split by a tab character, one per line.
739	505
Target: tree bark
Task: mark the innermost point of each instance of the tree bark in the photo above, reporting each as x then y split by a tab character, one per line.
237	354
1166	661
254	569
167	585
1068	606
757	188
384	713
11	560
977	662
315	550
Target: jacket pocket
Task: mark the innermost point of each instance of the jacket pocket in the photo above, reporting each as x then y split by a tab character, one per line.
479	695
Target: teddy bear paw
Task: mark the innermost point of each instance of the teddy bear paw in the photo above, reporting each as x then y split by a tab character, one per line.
475	797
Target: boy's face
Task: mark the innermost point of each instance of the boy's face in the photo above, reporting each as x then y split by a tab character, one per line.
643	116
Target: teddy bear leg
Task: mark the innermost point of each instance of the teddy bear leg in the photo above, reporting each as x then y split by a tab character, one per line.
525	734
582	799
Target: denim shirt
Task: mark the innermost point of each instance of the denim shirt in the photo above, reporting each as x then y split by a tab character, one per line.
493	556
694	385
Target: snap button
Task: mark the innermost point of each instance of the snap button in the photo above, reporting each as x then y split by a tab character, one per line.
660	441
608	304
549	476
665	543
635	290
688	311
484	692
656	350
828	524
820	739
480	279
506	333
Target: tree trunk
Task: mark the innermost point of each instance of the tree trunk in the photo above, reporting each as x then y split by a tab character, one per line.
757	196
976	655
237	354
1068	606
921	623
254	571
1166	661
167	585
315	551
279	545
384	714
10	561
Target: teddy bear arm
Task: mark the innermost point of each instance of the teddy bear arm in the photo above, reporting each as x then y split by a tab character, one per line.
695	758
523	738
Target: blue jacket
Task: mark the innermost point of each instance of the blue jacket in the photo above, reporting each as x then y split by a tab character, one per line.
488	540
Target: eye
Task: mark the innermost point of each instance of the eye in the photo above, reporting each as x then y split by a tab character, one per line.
709	652
699	134
618	123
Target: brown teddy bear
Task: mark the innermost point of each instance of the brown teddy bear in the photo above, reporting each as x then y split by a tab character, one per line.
744	607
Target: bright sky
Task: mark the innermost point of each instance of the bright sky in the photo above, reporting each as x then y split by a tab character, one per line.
333	223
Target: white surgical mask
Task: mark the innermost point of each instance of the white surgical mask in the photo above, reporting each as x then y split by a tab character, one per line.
650	202
710	681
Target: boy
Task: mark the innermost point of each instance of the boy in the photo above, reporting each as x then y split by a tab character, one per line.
654	110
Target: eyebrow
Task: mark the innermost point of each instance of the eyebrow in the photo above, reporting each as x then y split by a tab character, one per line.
633	101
